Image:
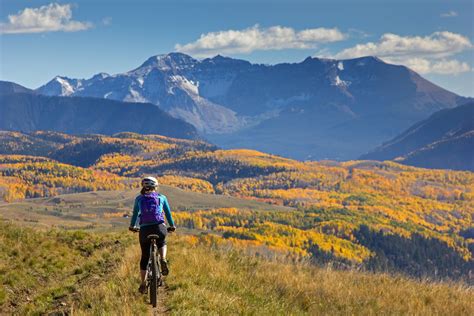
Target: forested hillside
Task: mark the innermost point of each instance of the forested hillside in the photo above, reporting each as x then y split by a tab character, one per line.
381	216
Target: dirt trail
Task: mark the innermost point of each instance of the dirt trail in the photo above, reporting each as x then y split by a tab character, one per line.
161	308
128	268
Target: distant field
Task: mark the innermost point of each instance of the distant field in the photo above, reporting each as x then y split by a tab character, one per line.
102	209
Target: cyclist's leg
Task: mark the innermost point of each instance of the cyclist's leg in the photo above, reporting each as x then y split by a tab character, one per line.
161	243
145	248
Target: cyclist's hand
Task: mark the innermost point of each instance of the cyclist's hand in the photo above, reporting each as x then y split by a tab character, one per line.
171	229
133	229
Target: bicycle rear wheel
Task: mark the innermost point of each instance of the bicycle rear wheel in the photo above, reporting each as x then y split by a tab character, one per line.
154	278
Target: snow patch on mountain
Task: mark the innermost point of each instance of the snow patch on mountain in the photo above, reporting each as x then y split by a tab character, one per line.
189	86
66	88
336	81
134	96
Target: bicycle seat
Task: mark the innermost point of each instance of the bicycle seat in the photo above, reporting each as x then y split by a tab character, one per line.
153	237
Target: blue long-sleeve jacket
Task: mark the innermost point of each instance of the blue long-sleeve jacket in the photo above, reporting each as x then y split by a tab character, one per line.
164	207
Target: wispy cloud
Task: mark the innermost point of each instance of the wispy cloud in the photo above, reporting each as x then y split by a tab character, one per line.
107	21
257	38
449	14
53	17
427	66
425	54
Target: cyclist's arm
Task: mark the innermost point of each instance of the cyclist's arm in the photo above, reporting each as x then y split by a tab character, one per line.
133	221
167	210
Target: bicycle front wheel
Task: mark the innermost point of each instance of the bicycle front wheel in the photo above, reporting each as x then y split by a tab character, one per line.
154	279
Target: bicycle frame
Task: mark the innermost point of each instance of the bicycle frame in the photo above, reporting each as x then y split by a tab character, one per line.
153	254
153	266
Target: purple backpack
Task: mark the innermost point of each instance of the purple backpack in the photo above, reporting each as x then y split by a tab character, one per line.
150	209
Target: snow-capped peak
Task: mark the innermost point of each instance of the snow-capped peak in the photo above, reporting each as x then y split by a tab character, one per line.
168	61
66	87
100	75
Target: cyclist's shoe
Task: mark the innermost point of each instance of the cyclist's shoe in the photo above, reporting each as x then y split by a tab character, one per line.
142	288
164	267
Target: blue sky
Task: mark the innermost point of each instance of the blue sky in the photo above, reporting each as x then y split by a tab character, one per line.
42	39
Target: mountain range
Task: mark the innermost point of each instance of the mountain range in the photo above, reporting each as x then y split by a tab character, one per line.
22	109
444	140
315	109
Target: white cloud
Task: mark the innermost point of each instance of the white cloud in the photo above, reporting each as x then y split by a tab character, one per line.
426	66
436	45
449	14
53	17
449	67
257	38
426	54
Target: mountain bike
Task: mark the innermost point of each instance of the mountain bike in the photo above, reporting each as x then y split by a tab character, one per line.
153	271
153	276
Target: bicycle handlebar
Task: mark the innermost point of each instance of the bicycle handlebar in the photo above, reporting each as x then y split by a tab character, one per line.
170	229
134	229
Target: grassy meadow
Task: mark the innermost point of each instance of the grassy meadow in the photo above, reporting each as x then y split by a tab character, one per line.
95	273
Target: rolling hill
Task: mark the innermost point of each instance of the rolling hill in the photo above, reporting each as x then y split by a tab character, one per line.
444	140
381	216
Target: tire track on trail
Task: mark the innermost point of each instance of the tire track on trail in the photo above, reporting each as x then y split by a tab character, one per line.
161	308
129	269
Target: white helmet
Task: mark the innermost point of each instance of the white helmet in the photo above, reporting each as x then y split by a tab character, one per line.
149	182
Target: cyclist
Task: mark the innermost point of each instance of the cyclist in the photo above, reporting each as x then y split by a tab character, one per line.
151	208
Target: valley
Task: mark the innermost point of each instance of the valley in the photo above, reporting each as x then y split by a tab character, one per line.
318	211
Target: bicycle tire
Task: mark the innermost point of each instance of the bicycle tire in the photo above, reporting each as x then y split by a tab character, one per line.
154	278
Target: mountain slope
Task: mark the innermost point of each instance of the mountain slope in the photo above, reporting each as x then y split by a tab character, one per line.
30	112
444	140
7	87
318	108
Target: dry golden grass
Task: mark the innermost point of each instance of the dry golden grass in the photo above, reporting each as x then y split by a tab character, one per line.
206	280
210	281
117	295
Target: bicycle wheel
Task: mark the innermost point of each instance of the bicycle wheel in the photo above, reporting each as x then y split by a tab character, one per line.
154	278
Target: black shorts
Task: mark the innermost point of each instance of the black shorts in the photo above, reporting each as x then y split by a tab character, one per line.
158	229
